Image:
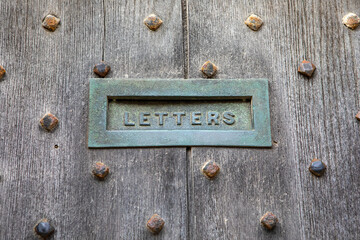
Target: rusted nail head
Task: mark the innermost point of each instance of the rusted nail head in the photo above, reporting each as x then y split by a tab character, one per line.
2	72
209	69
43	228
317	167
254	22
49	122
358	116
102	69
100	170
51	22
155	224
210	169
269	220
306	68
351	20
153	22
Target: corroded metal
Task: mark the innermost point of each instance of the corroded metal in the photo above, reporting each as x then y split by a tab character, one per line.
102	69
153	22
209	69
49	122
186	114
44	229
357	116
254	22
51	22
2	72
317	167
306	68
351	20
269	220
155	224
199	112
100	170
210	169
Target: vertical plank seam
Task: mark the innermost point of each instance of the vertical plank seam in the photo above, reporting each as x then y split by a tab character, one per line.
185	27
185	24
104	35
188	168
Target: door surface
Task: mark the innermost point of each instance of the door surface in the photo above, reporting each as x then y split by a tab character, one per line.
48	174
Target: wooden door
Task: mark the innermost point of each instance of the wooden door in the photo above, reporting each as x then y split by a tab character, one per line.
48	174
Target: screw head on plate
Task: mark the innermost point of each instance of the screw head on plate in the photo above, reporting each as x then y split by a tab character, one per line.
306	68
351	20
51	22
254	22
269	220
155	224
43	228
49	122
153	22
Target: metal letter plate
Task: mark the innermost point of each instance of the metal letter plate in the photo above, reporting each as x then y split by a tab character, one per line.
179	112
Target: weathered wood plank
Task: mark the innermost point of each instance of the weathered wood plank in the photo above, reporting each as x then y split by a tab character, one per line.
46	72
310	119
135	51
49	72
144	182
148	180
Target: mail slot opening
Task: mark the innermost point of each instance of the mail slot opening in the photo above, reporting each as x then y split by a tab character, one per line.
186	113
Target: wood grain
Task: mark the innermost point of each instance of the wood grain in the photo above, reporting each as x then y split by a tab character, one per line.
49	72
311	118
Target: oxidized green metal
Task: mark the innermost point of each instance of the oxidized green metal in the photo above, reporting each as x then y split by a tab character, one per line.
179	112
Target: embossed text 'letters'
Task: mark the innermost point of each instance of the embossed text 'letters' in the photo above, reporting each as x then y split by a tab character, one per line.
132	113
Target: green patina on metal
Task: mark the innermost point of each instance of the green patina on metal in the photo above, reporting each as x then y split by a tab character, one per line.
145	114
179	112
